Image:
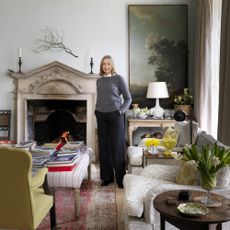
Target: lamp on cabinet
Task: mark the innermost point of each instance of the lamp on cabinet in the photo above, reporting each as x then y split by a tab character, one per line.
157	90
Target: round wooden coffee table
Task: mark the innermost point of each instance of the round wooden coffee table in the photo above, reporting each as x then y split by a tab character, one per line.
169	213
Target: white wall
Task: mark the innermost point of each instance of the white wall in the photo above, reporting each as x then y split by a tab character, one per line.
91	27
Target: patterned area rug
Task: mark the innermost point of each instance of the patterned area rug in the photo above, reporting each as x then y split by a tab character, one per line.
98	208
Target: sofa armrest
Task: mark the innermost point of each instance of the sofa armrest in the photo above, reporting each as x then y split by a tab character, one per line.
135	190
150	213
135	155
149	210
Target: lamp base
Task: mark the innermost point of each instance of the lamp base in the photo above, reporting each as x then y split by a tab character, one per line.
157	112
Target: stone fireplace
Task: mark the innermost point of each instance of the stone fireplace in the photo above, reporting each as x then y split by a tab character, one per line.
53	98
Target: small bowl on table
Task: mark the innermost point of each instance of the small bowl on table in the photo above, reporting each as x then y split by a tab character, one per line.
142	116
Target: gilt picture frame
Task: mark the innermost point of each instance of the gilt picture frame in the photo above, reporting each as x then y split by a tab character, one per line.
158	50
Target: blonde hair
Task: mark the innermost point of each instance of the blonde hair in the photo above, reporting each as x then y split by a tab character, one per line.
112	62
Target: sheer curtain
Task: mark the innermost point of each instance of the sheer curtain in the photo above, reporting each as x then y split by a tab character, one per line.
224	98
207	65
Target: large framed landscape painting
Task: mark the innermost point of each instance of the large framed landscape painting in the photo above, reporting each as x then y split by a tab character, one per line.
158	50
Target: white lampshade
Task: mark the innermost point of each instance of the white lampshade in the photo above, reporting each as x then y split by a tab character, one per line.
157	90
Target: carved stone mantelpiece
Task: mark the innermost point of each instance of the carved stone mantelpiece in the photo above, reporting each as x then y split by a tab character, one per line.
54	81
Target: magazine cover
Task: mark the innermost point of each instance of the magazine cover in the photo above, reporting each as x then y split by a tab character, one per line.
63	159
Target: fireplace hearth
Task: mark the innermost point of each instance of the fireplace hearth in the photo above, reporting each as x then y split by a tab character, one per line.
48	119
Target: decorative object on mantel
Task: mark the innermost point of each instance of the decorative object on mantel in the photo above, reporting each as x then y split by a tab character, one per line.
157	90
53	41
19	60
91	66
10	71
184	101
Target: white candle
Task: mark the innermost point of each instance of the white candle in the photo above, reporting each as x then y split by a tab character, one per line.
20	52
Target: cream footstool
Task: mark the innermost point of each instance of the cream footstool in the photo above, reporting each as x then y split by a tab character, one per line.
74	178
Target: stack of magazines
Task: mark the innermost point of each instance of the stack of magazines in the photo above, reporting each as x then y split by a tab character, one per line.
40	161
62	162
70	145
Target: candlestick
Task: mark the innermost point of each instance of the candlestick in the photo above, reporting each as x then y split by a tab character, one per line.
20	52
91	65
20	64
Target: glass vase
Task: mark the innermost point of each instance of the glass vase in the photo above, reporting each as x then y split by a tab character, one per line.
153	149
208	182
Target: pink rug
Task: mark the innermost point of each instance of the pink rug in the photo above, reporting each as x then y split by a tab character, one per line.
98	208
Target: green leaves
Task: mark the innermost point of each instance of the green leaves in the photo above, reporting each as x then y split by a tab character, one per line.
209	160
186	98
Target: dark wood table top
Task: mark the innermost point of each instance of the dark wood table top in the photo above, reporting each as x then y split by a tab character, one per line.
158	155
216	214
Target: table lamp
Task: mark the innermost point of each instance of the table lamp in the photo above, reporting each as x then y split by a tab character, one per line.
157	90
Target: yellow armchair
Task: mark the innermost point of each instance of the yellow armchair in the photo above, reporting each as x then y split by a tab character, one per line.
23	204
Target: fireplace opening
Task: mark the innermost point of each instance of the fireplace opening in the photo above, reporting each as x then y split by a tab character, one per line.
48	119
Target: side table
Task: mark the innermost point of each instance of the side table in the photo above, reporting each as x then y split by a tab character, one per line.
157	159
169	213
134	123
74	178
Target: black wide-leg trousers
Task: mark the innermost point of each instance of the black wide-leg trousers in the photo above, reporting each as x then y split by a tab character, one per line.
111	145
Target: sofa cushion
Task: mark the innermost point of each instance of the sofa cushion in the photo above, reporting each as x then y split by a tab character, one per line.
171	133
223	178
160	172
187	174
184	132
204	139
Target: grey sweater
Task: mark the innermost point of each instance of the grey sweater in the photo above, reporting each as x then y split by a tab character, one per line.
109	91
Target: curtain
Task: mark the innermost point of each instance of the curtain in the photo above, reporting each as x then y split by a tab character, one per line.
224	83
206	92
202	90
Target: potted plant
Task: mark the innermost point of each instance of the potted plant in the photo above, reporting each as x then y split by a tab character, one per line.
184	101
208	162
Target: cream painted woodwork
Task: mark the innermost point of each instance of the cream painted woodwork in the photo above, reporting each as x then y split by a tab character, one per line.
133	124
54	81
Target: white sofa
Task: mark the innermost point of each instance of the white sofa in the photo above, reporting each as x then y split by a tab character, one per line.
140	190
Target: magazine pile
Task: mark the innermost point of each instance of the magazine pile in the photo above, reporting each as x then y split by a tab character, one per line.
63	159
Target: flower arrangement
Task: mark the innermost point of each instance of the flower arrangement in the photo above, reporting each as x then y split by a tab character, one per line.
152	142
184	99
208	162
141	112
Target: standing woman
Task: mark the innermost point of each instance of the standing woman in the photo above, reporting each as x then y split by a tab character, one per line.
109	112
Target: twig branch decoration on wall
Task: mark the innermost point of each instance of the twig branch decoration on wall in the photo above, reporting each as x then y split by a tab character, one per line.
52	40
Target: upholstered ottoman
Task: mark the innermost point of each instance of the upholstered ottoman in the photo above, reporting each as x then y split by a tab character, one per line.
74	178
